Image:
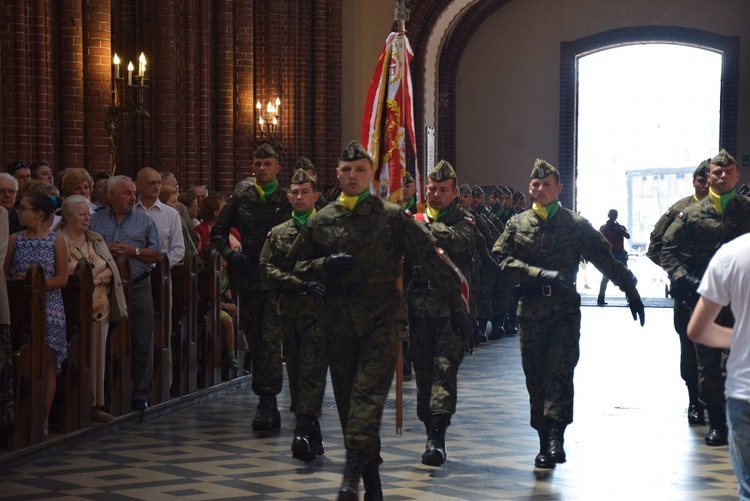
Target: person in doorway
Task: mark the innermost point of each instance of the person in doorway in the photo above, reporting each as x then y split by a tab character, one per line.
615	233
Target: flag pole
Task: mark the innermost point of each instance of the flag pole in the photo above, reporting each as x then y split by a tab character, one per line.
400	15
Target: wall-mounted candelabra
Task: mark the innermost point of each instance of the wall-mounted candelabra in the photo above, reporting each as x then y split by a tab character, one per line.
268	125
127	97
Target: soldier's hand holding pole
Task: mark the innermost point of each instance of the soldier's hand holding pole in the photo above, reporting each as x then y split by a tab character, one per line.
636	305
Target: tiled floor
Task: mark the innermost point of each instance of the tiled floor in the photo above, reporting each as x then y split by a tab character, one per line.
630	439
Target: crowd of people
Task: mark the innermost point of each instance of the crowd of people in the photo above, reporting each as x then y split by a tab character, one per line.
344	284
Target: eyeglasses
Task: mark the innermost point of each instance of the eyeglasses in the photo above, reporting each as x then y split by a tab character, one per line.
8	192
21	208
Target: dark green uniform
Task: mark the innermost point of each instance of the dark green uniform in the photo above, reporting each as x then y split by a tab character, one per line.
304	344
436	349
363	311
549	319
254	218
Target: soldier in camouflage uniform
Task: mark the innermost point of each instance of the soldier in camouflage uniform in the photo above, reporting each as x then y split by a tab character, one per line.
357	245
305	164
304	344
688	245
254	211
436	348
541	249
688	361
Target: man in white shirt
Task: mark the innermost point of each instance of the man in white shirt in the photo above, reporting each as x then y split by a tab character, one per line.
148	183
725	283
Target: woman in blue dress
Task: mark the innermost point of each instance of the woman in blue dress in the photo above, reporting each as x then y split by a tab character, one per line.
38	243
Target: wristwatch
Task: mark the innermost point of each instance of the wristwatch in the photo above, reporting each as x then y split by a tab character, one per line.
137	251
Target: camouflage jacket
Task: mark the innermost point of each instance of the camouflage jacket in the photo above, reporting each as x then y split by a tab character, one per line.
455	233
276	269
698	231
253	218
378	235
489	231
531	244
660	228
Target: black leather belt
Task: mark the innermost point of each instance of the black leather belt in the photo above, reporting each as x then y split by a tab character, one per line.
361	290
543	290
140	278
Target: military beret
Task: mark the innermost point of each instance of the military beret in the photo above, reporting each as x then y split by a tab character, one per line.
542	169
702	170
264	150
354	151
301	177
723	159
304	163
477	191
464	189
408	178
443	171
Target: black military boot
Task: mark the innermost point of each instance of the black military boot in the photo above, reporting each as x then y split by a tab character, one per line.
497	328
542	460
307	444
717	430
434	454
371	479
355	461
511	329
555	451
267	416
695	413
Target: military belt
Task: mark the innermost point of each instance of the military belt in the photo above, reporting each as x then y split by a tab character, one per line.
361	290
541	290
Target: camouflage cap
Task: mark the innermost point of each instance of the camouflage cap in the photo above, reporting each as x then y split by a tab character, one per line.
723	159
443	171
497	191
702	170
354	151
519	196
508	191
408	178
304	163
464	189
542	169
301	177
265	150
477	191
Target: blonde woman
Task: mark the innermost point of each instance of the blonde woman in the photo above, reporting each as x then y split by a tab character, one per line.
109	297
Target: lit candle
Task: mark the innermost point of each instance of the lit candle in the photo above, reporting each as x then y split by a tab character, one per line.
261	122
269	108
278	105
142	65
130	72
116	62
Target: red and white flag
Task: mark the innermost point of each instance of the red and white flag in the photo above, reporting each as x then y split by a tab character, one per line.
389	116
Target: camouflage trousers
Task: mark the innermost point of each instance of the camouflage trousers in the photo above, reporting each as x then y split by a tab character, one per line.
261	327
712	372
363	342
306	363
484	294
502	297
436	352
549	333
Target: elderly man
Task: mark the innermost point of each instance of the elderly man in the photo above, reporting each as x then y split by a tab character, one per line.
8	192
148	183
133	234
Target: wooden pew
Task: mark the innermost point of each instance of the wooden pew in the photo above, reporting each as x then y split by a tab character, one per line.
209	324
27	300
185	325
162	320
118	382
73	405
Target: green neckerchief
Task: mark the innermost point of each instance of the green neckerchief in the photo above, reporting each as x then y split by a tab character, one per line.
720	202
546	212
352	202
266	189
409	203
497	212
300	218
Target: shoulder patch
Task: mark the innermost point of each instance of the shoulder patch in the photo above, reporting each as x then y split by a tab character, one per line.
268	235
468	219
681	215
669	211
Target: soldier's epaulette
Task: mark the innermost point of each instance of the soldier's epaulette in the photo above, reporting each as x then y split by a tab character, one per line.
468	219
268	235
681	215
669	211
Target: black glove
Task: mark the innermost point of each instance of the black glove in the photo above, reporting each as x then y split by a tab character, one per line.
461	324
338	264
316	289
556	279
240	263
636	305
685	290
690	282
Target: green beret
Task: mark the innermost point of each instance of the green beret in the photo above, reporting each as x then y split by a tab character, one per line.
301	177
702	170
304	163
408	178
464	189
354	151
264	150
542	169
723	159
443	171
477	191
